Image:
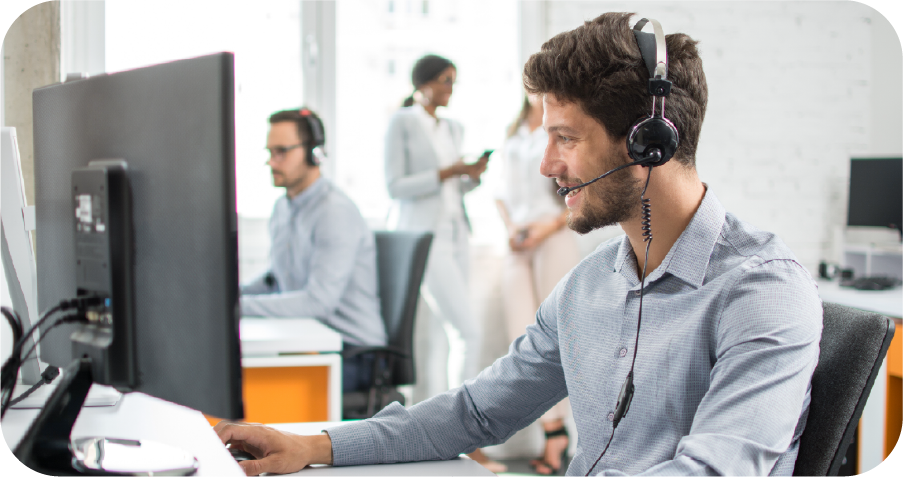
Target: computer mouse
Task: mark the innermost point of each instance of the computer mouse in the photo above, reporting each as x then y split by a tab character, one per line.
240	455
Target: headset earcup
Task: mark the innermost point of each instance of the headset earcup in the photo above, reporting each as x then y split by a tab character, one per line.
315	156
652	133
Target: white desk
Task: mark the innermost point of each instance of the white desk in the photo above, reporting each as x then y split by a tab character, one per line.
275	342
885	302
459	466
872	424
274	336
139	416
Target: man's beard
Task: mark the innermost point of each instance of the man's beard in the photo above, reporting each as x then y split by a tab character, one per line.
609	201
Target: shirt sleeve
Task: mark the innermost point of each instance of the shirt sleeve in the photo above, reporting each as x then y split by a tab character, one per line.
337	241
506	397
258	286
400	181
768	345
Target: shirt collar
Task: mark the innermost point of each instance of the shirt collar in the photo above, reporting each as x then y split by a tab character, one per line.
318	188
424	116
689	257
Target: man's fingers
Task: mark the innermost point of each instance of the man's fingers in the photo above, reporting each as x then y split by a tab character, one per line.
252	467
276	464
233	431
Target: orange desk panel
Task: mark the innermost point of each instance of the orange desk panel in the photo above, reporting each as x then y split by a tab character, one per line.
894	399
284	394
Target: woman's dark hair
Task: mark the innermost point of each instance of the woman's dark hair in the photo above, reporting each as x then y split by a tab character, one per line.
426	69
599	67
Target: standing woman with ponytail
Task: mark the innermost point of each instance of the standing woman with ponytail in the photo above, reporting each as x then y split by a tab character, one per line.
427	178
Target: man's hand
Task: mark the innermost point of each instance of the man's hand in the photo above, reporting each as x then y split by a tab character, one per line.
275	451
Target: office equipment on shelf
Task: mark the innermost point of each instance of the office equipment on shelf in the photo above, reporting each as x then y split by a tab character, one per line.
876	193
871	283
853	346
164	136
874	259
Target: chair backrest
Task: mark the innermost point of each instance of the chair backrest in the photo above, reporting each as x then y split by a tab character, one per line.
401	261
853	346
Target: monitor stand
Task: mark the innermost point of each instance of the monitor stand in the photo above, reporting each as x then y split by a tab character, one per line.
46	446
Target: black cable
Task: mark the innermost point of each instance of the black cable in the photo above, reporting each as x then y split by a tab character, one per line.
14	322
10	369
70	318
628	382
50	373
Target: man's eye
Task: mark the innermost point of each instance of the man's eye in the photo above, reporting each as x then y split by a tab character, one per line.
564	139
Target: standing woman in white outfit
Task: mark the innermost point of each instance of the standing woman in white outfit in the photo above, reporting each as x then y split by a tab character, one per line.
542	250
427	178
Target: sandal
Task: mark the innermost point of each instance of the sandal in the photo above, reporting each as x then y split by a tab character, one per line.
541	462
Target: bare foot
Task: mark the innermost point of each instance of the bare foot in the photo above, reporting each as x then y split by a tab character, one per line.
489	464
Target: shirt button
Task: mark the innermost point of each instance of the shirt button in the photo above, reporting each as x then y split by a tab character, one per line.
623	352
611	416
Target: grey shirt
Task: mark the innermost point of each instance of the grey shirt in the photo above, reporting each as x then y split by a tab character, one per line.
729	341
322	264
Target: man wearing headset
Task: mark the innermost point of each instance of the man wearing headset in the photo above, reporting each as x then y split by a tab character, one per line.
690	357
323	254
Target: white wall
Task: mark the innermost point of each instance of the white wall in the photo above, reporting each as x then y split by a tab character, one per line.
886	93
792	95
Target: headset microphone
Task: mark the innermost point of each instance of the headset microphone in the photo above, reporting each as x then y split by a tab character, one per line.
652	157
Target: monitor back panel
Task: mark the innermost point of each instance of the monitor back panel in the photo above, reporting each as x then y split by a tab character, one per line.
174	125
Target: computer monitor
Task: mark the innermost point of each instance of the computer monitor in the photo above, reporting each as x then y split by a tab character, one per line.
876	193
172	125
16	245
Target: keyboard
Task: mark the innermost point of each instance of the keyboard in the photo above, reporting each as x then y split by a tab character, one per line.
871	283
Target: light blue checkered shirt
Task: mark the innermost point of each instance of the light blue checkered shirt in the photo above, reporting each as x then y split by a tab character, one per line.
323	265
729	340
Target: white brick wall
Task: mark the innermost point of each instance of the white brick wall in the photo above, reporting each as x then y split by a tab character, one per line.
789	103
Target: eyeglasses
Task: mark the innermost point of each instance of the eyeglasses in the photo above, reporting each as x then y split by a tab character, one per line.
277	154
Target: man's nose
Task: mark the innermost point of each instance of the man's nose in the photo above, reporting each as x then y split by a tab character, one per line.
551	165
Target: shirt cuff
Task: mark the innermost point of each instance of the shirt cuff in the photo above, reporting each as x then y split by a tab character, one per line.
352	444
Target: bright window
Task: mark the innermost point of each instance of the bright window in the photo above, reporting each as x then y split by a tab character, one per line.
266	40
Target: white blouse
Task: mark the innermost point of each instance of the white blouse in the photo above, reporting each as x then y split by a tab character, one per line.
440	135
527	194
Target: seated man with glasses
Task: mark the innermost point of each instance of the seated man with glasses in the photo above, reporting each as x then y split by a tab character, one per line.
322	254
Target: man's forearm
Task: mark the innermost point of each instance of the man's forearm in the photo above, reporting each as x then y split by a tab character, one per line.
321	448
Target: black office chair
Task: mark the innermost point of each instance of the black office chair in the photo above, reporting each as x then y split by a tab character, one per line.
400	262
853	346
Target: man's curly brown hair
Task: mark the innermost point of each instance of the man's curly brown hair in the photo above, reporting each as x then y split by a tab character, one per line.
599	67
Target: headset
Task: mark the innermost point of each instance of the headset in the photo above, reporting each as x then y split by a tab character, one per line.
653	139
315	155
651	142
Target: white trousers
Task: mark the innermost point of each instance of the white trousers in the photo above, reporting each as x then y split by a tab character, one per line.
445	290
527	279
